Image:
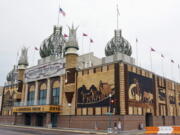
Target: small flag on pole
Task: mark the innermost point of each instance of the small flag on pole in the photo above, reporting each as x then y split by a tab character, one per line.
136	40
65	35
162	55
172	61
153	50
85	35
62	12
36	48
91	41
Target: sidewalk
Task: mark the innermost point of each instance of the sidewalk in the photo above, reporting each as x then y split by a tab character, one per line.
82	131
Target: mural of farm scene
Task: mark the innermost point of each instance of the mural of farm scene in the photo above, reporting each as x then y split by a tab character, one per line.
140	88
162	95
172	99
95	96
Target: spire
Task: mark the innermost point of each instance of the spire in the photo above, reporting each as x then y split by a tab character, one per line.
58	14
23	60
72	41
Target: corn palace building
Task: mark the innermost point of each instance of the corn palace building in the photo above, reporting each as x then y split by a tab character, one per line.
66	89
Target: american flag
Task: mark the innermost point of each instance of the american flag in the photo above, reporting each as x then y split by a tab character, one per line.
36	48
91	40
162	55
153	50
84	34
136	40
65	35
62	12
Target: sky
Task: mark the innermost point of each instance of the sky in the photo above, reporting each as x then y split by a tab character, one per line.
155	23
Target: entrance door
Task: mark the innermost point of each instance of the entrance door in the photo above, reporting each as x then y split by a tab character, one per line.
54	118
149	120
28	119
174	121
39	120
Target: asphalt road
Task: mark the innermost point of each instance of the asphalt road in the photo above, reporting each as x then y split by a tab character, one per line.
27	131
8	130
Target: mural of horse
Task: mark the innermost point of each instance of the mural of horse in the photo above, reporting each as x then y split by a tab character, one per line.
147	97
93	94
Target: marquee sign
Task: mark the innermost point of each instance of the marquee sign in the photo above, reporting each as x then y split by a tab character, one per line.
45	108
45	70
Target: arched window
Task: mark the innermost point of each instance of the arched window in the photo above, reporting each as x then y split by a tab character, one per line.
42	94
31	95
55	92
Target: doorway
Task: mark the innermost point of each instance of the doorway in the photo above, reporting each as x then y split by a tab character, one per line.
54	118
149	120
28	119
39	120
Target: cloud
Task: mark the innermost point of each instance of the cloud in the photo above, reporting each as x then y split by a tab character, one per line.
154	23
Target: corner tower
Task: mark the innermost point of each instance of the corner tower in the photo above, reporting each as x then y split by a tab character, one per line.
71	58
22	65
71	49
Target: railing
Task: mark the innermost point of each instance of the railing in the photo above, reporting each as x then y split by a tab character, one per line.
18	103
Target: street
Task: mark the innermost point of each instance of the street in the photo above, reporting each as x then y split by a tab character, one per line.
13	130
28	131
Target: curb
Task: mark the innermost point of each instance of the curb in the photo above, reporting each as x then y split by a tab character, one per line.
63	130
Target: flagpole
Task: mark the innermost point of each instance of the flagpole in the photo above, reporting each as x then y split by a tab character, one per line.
34	56
151	60
137	51
162	66
89	46
89	54
82	45
117	14
179	71
17	56
58	14
172	71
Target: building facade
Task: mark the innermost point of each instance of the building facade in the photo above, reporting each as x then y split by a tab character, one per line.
1	95
68	90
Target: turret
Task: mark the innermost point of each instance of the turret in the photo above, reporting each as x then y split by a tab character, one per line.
22	65
71	49
71	56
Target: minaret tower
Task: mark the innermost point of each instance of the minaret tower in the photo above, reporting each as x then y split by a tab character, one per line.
71	58
22	65
71	49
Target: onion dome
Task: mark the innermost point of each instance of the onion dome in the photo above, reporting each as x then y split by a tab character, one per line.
118	44
54	44
12	75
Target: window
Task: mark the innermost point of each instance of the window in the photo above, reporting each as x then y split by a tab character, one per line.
31	98
55	96
42	97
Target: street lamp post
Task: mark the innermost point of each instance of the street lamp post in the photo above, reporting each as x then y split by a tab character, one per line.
110	120
69	105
